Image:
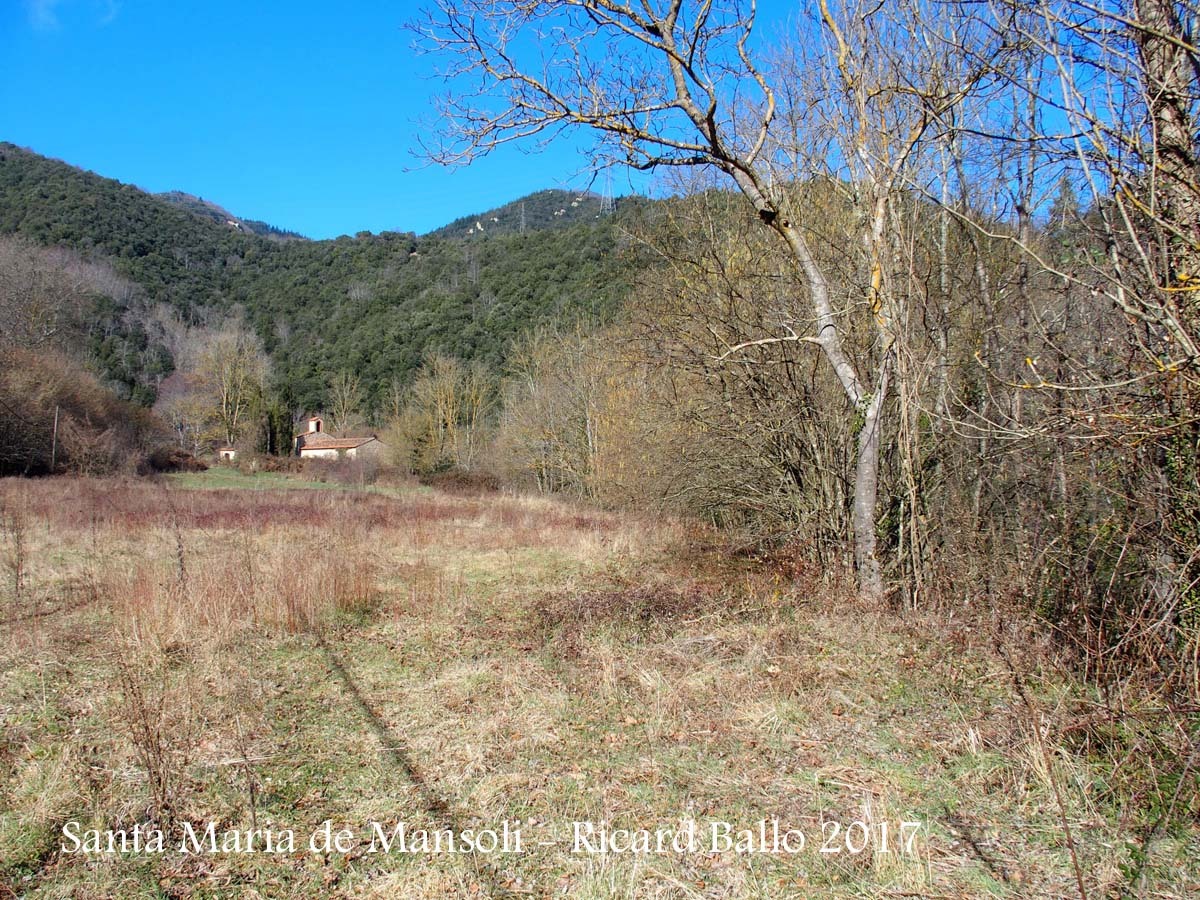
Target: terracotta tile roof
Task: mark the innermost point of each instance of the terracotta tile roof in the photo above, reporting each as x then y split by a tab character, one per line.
308	422
322	440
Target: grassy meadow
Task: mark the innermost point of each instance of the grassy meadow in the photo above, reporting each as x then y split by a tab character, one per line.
264	652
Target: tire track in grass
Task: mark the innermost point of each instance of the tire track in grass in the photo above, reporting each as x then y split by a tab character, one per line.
439	809
72	595
68	607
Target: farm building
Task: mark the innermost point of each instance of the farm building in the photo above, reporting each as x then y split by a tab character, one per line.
317	443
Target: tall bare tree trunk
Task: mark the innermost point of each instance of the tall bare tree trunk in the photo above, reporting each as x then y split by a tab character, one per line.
1170	72
866	490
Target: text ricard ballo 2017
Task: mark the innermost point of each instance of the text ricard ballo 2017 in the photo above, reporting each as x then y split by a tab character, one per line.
765	836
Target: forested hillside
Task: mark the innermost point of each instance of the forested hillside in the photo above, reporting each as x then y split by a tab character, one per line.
371	305
544	209
209	210
174	256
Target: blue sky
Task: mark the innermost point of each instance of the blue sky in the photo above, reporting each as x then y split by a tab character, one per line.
301	114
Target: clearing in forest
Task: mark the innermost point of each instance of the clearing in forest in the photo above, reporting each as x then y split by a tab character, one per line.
205	659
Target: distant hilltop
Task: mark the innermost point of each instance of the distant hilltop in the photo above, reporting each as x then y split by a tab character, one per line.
545	209
209	210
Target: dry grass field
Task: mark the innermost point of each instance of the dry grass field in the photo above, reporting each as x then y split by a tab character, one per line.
266	654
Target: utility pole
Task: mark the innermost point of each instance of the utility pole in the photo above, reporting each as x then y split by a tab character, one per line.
54	441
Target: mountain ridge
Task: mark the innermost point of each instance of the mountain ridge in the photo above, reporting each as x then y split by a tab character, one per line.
208	209
372	304
548	208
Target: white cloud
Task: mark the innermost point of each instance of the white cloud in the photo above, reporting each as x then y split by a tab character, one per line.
110	8
43	14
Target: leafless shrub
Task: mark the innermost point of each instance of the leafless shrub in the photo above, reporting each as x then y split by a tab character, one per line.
245	764
562	618
463	484
13	530
59	417
289	586
154	728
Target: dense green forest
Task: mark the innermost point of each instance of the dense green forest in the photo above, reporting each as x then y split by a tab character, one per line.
373	304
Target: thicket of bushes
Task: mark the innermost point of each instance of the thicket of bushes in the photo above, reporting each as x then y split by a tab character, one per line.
57	417
1072	498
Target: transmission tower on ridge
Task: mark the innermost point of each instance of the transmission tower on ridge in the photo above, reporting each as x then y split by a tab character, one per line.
607	204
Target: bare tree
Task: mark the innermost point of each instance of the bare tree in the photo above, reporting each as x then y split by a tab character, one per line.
44	293
677	84
395	397
554	420
444	415
1077	196
184	407
345	401
1124	76
761	437
230	372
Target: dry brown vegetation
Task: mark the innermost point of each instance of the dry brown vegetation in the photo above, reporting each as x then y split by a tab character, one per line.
924	302
178	654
